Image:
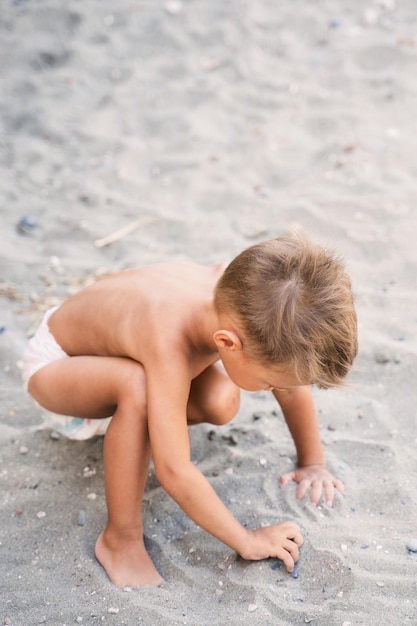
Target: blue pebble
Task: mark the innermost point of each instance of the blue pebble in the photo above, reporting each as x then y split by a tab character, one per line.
334	24
412	545
294	573
26	224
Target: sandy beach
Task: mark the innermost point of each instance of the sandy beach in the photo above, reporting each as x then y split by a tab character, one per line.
139	132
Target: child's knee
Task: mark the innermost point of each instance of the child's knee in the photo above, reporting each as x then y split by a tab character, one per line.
223	404
132	388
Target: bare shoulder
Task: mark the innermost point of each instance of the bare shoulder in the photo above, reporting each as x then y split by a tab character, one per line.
176	311
178	275
135	311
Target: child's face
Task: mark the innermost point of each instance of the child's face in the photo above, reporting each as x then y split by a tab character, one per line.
251	375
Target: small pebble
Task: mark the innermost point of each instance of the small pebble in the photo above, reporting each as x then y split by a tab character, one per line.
252	608
41	514
365	546
412	545
81	518
88	472
109	20
334	24
370	17
382	358
23	450
2	329
54	435
26	224
380	583
173	7
113	610
294	573
230	439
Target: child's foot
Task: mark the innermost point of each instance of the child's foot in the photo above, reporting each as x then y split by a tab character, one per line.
126	562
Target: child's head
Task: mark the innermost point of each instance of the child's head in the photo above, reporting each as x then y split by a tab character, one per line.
294	302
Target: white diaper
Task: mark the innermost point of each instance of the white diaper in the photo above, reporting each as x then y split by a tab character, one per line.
42	350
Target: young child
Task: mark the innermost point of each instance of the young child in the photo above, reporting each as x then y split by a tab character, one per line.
164	346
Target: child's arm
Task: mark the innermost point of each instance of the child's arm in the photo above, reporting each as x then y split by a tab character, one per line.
168	389
300	415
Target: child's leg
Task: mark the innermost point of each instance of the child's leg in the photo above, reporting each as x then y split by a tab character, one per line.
214	398
97	387
94	387
126	462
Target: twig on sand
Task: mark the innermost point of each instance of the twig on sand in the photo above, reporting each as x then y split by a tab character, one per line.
122	232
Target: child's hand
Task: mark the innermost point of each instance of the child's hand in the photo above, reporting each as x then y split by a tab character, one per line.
318	479
279	540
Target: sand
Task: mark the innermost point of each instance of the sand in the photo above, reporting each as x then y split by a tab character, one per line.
201	127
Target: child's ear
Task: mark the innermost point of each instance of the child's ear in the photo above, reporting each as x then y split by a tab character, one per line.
227	339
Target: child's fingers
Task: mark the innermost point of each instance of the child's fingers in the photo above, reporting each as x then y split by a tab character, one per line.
287	559
288	554
339	485
318	487
287	478
329	492
296	536
290	534
316	491
303	487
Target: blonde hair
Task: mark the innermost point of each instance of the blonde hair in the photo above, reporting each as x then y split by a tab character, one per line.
294	301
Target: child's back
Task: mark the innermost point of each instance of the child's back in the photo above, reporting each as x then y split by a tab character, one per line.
123	313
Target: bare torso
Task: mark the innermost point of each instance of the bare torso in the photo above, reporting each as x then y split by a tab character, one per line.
125	313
